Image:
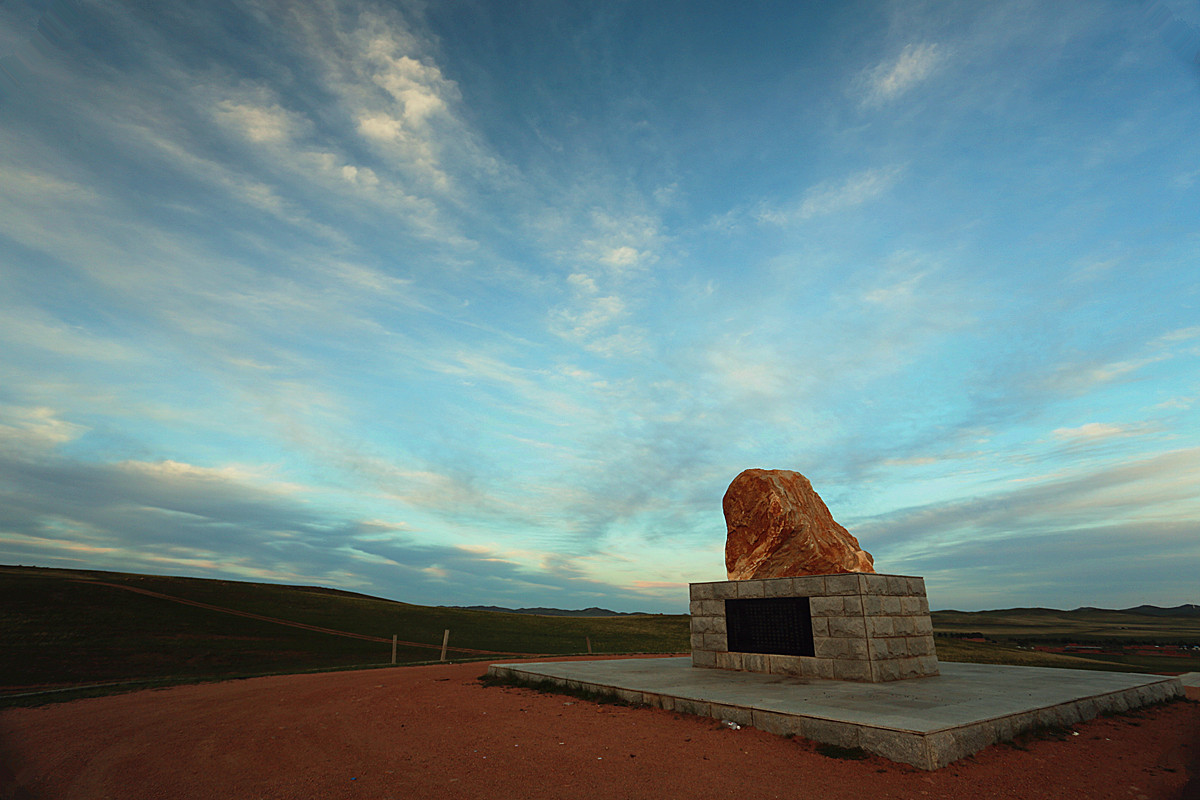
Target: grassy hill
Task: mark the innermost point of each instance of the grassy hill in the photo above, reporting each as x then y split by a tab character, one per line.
66	627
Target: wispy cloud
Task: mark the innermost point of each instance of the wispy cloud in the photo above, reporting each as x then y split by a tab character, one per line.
893	78
830	197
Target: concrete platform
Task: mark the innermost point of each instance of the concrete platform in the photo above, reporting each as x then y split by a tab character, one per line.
926	722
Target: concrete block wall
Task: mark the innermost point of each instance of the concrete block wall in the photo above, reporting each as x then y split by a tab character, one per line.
866	627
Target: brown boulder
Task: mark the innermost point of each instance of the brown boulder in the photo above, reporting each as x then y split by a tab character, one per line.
778	527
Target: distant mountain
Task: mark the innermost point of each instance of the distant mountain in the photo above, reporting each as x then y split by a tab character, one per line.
557	612
1185	610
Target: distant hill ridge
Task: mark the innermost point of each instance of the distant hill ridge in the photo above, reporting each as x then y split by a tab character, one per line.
559	612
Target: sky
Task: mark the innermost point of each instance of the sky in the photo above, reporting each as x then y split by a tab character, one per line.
478	302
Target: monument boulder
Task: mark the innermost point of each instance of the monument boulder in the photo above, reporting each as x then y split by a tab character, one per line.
778	527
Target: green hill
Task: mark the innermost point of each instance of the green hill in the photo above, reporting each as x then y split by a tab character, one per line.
66	627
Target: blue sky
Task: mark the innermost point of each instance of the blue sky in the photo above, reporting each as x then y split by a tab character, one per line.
480	302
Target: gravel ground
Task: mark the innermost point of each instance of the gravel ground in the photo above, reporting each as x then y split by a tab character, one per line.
436	732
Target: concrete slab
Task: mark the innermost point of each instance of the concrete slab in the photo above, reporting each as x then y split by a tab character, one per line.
926	722
1191	679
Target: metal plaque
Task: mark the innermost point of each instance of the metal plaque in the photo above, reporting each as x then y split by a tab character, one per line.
779	626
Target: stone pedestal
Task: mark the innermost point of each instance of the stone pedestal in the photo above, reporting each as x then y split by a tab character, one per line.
849	627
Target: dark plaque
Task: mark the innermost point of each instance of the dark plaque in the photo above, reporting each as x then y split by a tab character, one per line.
779	626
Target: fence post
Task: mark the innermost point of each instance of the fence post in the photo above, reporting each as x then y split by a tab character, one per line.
445	641
589	644
394	635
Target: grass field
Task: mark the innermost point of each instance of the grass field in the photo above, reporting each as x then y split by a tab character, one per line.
63	627
68	628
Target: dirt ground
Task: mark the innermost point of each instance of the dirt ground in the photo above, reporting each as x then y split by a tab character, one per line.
415	732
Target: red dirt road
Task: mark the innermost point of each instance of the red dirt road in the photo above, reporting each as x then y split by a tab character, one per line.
415	732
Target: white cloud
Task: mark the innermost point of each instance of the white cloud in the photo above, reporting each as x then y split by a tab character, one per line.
1091	431
832	196
891	79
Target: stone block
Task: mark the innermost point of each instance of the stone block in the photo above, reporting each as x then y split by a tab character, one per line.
778	724
904	626
714	641
878	649
874	584
831	648
751	588
825	606
820	626
725	590
928	665
924	609
924	625
628	696
847	670
916	586
755	662
903	748
702	624
696	608
809	585
909	668
920	646
880	626
891	606
848	627
700	591
729	660
947	746
703	658
778	587
831	732
718	624
817	668
910	606
885	671
697	707
842	584
872	605
852	604
712	608
785	665
698	641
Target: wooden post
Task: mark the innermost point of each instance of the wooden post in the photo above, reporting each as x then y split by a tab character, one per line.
589	644
394	635
445	641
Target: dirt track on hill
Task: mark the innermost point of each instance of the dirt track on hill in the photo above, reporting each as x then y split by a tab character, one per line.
436	732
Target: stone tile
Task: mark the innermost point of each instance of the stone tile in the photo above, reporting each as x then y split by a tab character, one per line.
848	626
729	660
778	587
725	590
885	671
842	584
831	732
697	707
778	724
903	748
831	648
742	716
846	670
910	605
750	588
874	584
825	606
712	608
785	665
809	585
755	662
703	658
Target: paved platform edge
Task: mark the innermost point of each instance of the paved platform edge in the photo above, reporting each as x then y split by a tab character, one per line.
925	750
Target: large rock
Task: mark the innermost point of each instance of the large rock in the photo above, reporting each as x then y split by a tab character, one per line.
778	527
